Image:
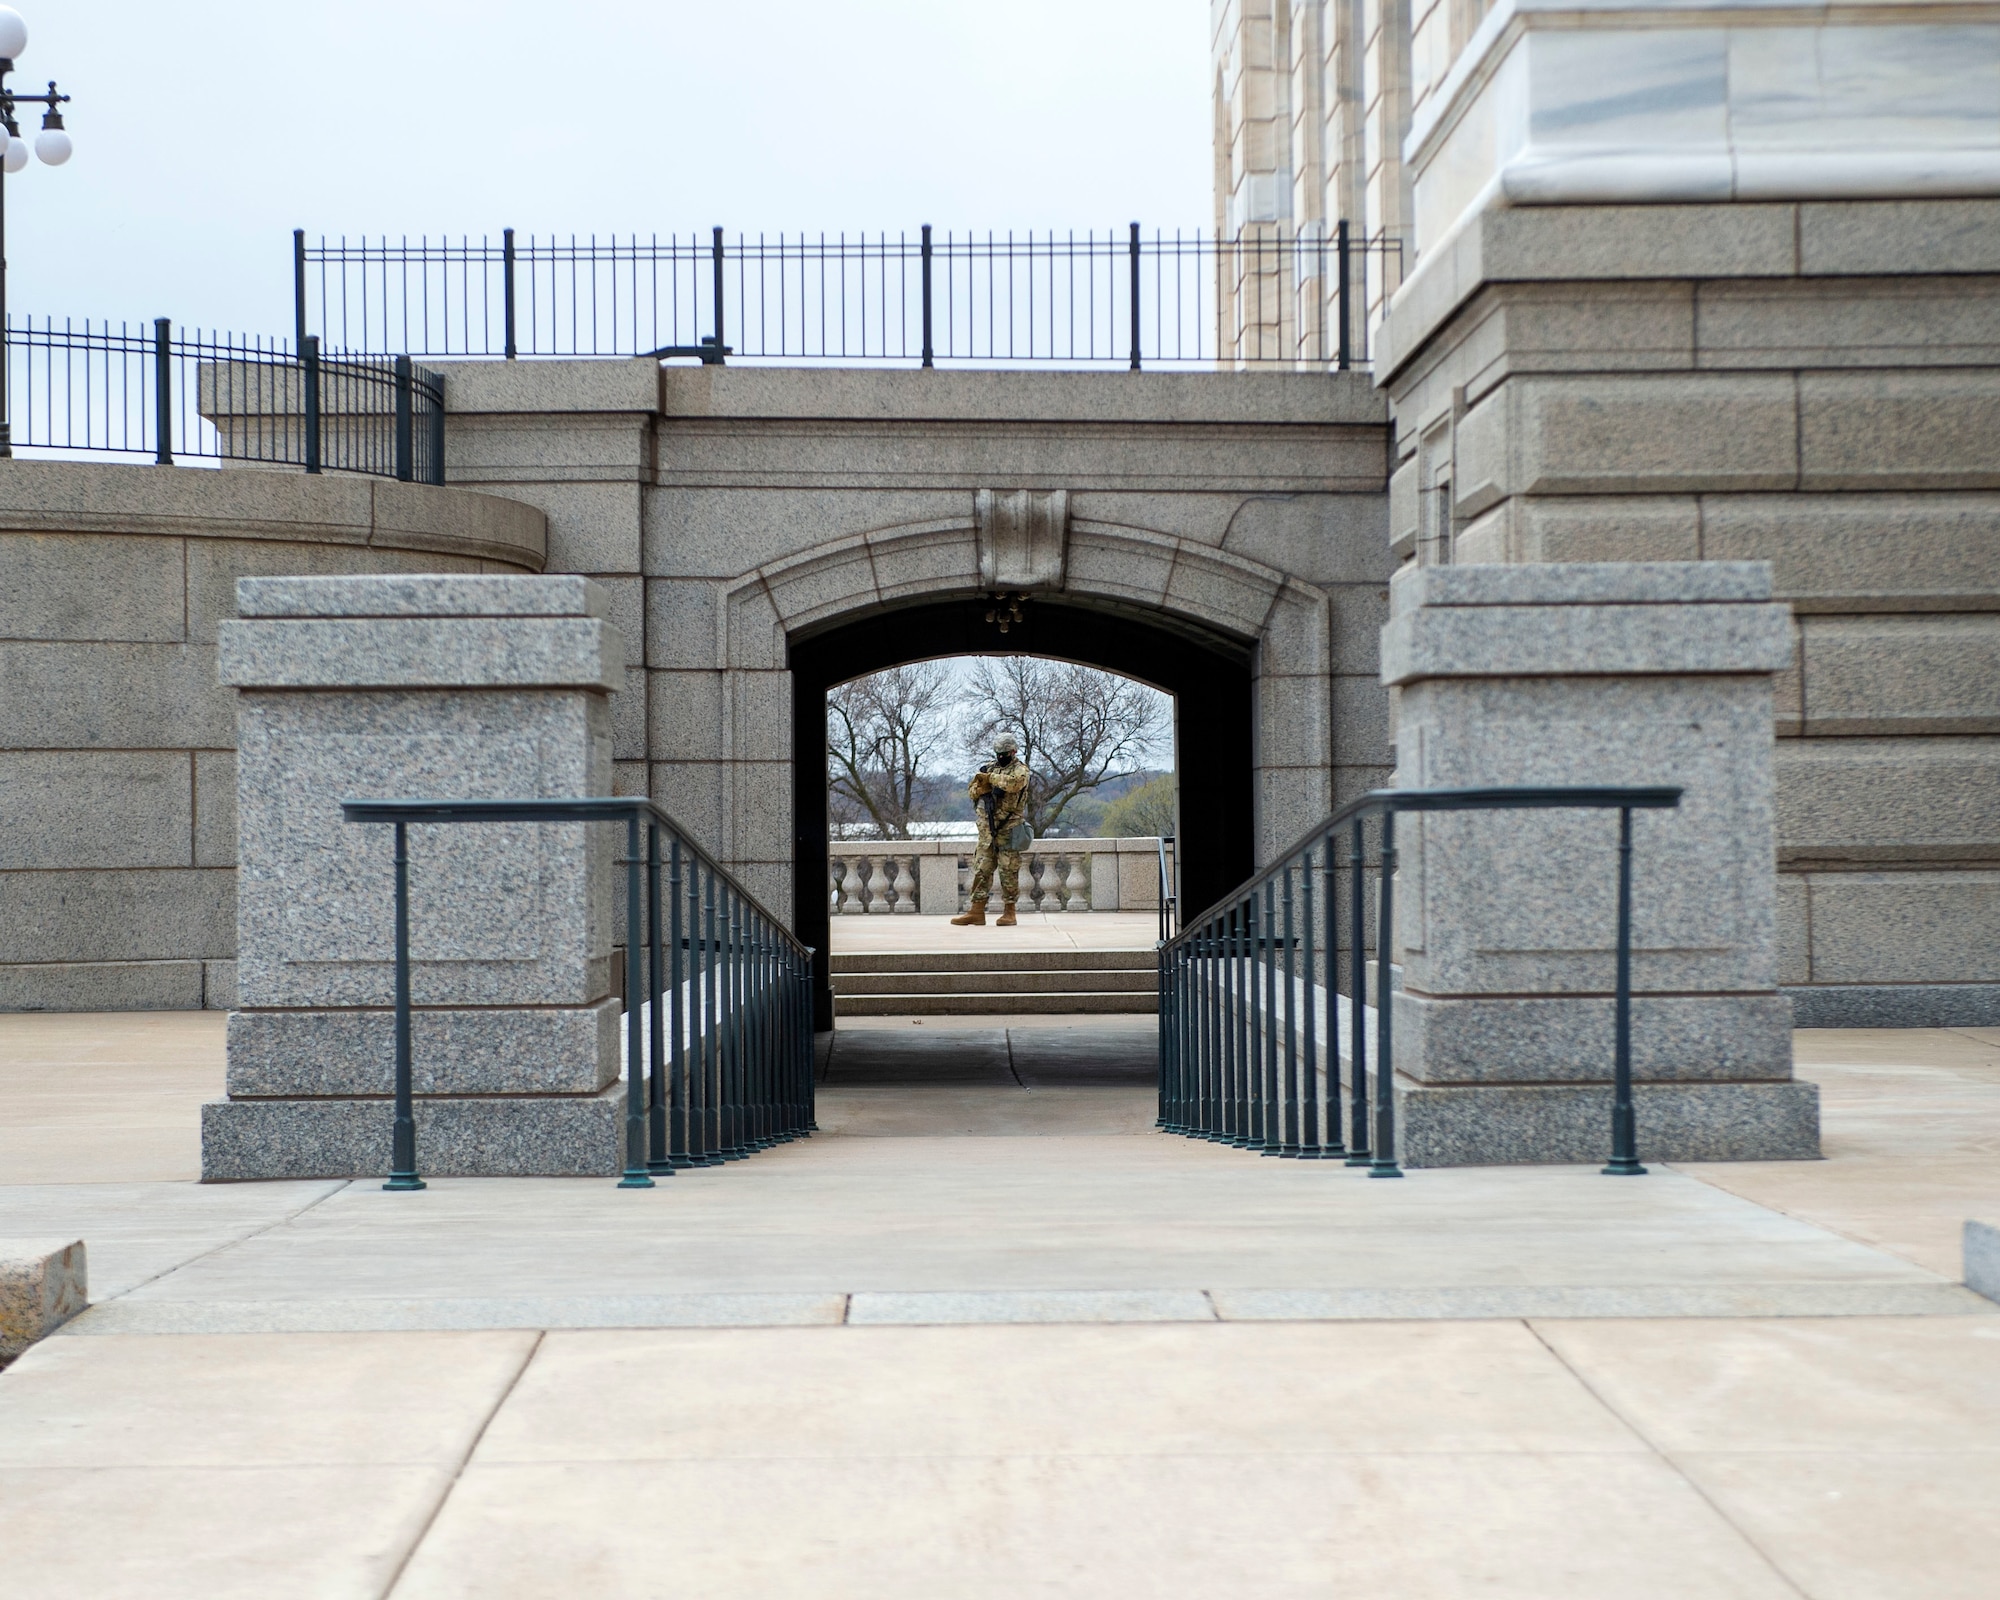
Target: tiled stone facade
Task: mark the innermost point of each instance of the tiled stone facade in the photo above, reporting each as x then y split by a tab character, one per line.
1809	384
117	743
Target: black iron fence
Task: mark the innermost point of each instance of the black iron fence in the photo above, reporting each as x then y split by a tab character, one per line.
719	1062
1274	295
1249	991
152	393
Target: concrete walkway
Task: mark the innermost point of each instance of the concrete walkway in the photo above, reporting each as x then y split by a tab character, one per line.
990	1333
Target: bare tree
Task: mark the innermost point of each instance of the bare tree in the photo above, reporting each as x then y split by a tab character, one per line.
1078	727
882	735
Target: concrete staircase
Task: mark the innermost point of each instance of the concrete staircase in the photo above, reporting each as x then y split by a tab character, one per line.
979	982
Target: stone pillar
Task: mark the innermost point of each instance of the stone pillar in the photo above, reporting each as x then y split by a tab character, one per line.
1591	673
447	687
937	886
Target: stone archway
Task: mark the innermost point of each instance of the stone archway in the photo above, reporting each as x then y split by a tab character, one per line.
1278	628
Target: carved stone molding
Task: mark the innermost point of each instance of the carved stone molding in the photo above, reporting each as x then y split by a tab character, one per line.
1023	537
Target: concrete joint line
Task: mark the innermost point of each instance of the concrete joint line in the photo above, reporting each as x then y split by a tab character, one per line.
479	1433
1679	1471
230	1244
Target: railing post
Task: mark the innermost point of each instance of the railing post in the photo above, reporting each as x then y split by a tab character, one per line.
163	393
436	427
405	422
309	362
1346	322
403	1141
659	1161
1357	1016
930	351
1384	1164
1624	1120
715	261
298	288
1134	254
635	1175
507	288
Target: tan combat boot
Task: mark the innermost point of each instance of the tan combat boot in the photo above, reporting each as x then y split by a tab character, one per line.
1006	919
971	917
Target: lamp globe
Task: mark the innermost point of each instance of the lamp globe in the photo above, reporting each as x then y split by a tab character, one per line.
52	145
16	155
13	34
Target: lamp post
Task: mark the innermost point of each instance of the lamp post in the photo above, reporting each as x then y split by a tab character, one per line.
52	145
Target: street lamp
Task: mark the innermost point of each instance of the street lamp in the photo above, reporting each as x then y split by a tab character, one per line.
52	145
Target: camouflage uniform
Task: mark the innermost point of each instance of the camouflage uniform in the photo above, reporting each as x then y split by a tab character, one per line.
1007	782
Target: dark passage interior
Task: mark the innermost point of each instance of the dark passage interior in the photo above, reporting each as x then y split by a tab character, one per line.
1207	674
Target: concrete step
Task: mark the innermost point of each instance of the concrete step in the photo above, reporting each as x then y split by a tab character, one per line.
968	1005
1001	960
1078	981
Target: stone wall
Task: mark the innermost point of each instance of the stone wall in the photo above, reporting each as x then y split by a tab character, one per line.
1813	384
730	511
117	743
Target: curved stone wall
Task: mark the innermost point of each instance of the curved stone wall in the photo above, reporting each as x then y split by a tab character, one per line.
117	744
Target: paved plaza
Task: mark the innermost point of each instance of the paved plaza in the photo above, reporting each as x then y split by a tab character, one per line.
988	1332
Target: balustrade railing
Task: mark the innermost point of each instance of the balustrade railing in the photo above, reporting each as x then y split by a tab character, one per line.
719	1062
1250	1003
934	877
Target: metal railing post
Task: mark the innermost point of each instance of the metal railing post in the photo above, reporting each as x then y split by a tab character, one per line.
1133	251
715	258
405	422
435	425
635	1175
309	360
507	289
659	1161
298	288
1624	1119
930	350
1357	1116
1346	322
163	393
403	1141
1384	1164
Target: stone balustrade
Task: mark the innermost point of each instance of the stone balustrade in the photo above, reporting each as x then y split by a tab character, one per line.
932	877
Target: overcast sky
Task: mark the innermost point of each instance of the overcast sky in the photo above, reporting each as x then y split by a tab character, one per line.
207	130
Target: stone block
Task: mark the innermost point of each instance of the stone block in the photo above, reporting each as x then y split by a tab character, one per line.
630	778
493	1051
100	985
829	580
543	1136
753	635
1120	568
96	808
691	792
1359	612
1405	516
1895	1005
118	916
924	561
214	567
1883	237
64	586
760	811
1794	934
681	629
422	595
316	916
1906	927
937	885
43	1283
1361	734
218	986
685	716
1526	904
1982	1259
1888	800
1321	539
1649	435
421	652
593	527
1902	674
1600	641
1875	552
112	696
1501	1125
1882	322
416	516
1586	528
1922	430
215	808
629	717
1294	716
1675	1038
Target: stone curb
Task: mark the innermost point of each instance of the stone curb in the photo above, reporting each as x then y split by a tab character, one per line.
43	1284
1982	1259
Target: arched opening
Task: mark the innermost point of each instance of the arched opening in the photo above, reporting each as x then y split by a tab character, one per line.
1207	673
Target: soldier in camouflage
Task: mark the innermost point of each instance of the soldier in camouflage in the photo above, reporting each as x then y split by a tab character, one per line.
1000	801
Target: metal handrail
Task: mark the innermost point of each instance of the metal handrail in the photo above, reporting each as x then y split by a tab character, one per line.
1170	900
740	1076
1220	1072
